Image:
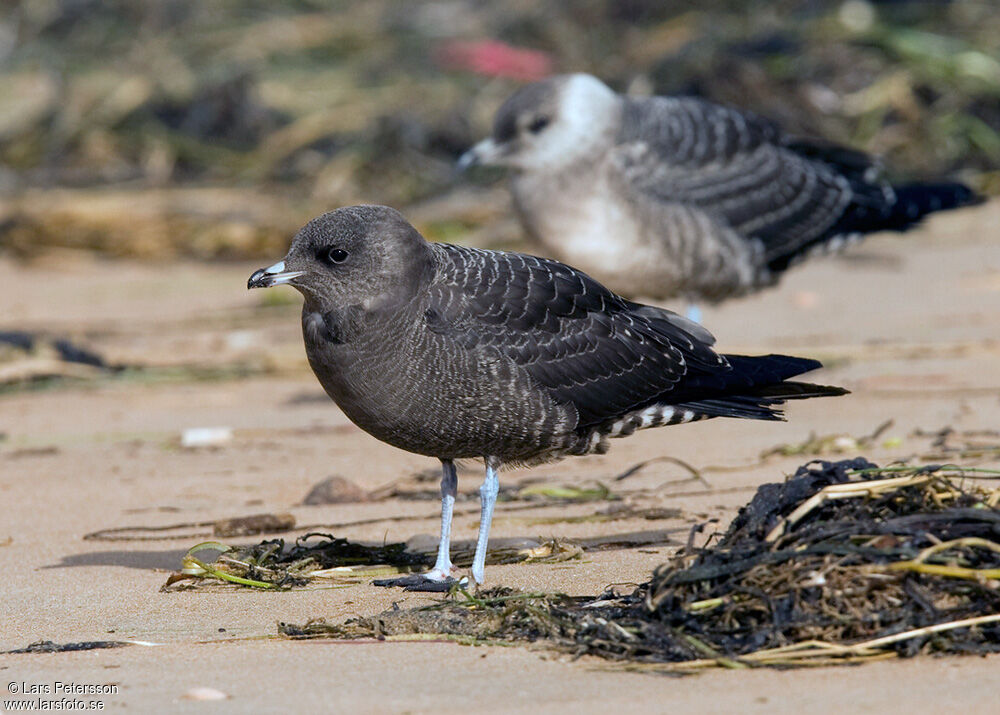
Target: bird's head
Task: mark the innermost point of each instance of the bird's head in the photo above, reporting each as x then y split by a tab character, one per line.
549	125
358	256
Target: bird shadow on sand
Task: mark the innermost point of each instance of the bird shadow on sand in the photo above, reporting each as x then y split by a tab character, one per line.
145	560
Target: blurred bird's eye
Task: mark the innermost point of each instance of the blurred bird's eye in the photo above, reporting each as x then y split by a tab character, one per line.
538	124
333	255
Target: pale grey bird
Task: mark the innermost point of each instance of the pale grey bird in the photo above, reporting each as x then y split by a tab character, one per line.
459	353
668	196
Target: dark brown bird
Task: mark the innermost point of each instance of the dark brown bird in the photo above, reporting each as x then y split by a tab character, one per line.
461	353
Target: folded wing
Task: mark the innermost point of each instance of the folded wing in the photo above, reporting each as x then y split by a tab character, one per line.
588	347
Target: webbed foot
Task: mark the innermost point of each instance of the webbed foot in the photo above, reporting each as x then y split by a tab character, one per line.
431	582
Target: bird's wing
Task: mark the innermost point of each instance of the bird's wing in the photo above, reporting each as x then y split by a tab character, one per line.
587	346
738	168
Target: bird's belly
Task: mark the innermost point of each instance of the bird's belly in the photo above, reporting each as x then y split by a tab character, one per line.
675	251
600	237
454	406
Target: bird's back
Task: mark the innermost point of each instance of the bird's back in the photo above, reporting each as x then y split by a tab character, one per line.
527	360
734	170
782	196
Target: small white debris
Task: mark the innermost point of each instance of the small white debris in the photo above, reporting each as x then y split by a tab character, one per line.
845	444
241	339
195	437
805	299
814	578
203	693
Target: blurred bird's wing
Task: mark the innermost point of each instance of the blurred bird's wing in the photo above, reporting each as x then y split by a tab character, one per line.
585	345
735	167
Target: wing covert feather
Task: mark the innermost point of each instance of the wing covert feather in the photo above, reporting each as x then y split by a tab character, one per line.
736	167
587	346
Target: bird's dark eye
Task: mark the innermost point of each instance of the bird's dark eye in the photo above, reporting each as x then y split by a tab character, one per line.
333	255
538	124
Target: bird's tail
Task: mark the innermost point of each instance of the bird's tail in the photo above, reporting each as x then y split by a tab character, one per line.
751	389
880	207
875	205
916	200
756	385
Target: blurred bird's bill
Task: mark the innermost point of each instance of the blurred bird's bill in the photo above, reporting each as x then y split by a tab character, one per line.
485	153
275	275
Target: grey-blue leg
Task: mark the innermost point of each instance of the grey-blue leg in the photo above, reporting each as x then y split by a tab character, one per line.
449	487
438	578
488	499
693	313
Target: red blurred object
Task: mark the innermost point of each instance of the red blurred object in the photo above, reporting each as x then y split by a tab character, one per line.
494	59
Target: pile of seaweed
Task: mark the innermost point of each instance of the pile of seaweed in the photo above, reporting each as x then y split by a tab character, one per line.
844	561
271	564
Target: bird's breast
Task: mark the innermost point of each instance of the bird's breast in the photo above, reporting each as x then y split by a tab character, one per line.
421	392
585	223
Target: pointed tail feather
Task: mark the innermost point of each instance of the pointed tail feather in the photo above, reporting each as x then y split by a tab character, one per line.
903	208
755	385
875	205
761	406
914	201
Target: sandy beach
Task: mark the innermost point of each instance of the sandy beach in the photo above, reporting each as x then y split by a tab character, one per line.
907	323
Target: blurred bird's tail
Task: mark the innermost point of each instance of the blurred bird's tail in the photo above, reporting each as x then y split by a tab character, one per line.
877	206
914	201
880	207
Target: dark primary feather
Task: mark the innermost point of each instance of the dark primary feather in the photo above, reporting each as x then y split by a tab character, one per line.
788	194
875	204
602	354
734	167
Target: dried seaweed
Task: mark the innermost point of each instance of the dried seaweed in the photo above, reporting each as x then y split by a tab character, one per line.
317	558
845	561
321	559
271	565
823	445
53	647
27	357
839	554
949	444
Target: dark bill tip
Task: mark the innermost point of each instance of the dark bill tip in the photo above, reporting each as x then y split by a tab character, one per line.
257	279
275	275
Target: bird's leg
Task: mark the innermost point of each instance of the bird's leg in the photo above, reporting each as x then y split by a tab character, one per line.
449	487
438	578
693	313
488	499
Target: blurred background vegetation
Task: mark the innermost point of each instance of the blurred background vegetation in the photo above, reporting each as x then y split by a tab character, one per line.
215	128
